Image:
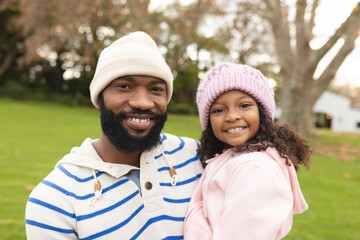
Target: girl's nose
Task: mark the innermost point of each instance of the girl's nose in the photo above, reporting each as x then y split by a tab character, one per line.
233	116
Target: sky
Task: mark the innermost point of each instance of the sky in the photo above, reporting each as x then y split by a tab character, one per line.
338	10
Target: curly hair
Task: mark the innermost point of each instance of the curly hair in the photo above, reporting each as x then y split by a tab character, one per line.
290	144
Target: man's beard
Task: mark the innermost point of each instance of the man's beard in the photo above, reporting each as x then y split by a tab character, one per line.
112	126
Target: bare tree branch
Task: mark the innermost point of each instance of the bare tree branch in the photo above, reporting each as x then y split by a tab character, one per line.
343	29
280	26
301	38
312	18
328	74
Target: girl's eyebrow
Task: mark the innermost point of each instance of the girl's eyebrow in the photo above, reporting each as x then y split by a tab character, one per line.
240	98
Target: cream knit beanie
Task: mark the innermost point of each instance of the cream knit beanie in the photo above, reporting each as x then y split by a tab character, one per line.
133	54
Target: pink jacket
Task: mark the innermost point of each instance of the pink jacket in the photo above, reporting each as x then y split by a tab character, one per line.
244	196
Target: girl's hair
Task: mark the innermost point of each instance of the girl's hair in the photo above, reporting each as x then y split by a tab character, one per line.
290	144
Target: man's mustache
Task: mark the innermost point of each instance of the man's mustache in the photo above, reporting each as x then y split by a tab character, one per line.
123	115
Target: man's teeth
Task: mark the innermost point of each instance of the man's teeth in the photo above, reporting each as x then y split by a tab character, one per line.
139	120
235	129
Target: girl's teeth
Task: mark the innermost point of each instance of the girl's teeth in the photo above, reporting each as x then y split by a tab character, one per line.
234	129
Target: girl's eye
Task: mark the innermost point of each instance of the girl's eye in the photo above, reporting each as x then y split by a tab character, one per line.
217	110
245	105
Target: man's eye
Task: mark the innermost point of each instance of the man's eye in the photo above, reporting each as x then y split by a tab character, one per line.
123	86
158	89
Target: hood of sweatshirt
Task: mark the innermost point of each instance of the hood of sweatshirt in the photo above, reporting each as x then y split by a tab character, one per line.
86	156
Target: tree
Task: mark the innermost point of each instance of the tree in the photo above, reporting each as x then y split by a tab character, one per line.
298	61
10	38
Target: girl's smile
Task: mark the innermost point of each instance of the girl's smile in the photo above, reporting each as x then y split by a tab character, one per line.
234	118
235	129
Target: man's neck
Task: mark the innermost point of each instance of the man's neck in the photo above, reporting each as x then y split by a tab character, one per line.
108	153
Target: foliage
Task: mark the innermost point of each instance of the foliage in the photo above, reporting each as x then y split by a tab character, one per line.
36	135
182	108
184	89
11	39
22	91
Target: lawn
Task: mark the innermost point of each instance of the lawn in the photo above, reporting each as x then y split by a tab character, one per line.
34	136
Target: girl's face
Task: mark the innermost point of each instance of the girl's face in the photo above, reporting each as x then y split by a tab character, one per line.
234	118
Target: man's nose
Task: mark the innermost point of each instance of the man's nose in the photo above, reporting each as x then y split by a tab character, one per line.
141	100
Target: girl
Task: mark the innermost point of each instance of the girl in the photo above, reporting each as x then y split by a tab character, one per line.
249	188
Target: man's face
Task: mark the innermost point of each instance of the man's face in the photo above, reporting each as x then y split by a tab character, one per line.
133	112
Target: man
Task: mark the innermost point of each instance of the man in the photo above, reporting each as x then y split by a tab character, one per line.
134	182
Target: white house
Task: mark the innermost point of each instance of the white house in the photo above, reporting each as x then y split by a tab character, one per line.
336	111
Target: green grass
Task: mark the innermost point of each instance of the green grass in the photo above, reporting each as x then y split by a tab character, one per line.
332	190
35	136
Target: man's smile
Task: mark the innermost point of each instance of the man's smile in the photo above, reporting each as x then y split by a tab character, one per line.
139	120
139	123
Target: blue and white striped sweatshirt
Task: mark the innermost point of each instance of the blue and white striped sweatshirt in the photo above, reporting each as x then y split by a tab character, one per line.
64	206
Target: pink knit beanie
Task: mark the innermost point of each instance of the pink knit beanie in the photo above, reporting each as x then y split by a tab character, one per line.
228	76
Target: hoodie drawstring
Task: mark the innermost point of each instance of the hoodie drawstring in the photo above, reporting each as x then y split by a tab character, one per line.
174	176
97	190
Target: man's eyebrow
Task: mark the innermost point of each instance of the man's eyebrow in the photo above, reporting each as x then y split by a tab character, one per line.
158	80
128	78
131	79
